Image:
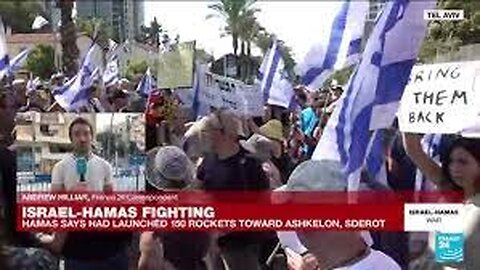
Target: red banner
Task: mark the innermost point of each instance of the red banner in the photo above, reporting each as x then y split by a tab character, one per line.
199	211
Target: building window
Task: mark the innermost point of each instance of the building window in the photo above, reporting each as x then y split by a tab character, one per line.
46	130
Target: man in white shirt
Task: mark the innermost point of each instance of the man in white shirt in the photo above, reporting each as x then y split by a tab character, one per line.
68	175
84	171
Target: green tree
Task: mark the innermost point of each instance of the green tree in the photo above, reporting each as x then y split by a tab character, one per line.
341	76
151	35
447	36
97	29
41	61
19	15
249	30
234	13
138	68
68	36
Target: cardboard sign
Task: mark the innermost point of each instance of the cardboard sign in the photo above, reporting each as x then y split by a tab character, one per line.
222	92
175	68
441	98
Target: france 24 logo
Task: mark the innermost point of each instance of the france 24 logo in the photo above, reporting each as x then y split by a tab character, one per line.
449	247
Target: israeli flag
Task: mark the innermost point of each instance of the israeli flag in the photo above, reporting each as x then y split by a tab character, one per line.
4	60
373	94
375	160
32	84
431	144
18	61
145	87
111	76
275	86
75	93
338	45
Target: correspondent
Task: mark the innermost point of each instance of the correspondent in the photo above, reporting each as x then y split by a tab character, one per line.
86	250
332	249
230	168
460	170
172	171
96	174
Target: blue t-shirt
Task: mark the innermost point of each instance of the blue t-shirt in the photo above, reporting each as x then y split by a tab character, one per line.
308	122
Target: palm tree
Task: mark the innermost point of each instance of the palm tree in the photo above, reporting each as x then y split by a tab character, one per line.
233	12
151	34
249	30
68	36
19	15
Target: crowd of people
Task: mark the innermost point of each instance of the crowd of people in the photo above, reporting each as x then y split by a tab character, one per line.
223	151
39	95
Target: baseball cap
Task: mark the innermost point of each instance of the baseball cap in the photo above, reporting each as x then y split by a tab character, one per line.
168	167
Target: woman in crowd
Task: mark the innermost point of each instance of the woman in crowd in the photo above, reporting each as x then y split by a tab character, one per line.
459	171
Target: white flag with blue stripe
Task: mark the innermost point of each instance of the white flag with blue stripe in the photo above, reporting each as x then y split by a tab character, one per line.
4	60
338	45
375	160
275	86
145	87
431	144
373	94
75	93
18	61
111	76
33	84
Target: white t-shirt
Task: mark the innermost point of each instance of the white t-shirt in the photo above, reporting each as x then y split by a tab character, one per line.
98	175
376	260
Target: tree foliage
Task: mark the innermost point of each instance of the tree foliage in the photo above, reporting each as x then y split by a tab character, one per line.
68	35
19	15
41	61
235	14
447	36
242	25
151	35
137	68
97	29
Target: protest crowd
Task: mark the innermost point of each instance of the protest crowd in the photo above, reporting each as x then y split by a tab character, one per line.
219	149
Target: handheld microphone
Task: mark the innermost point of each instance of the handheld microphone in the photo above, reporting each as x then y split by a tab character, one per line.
82	168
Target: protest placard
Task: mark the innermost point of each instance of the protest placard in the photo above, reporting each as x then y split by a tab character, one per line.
441	98
223	92
175	68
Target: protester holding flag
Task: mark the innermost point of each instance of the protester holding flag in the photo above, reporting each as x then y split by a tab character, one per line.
461	170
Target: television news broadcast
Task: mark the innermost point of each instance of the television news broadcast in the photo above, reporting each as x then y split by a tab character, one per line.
240	134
